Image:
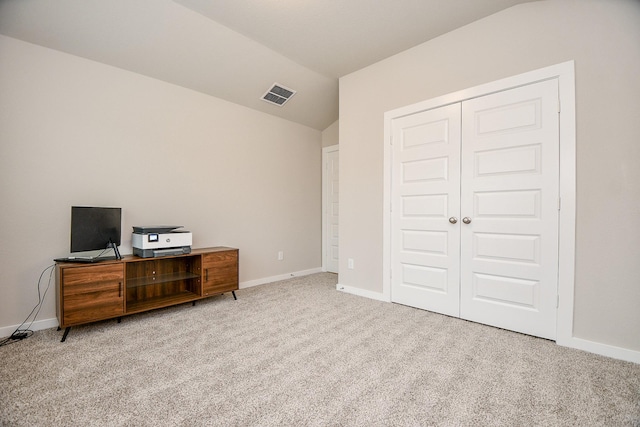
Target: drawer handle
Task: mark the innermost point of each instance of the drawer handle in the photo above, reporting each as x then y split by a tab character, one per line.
206	274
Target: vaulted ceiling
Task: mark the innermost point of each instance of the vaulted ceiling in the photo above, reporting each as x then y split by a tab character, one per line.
236	49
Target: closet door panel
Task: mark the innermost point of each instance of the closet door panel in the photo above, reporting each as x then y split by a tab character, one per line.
509	194
425	196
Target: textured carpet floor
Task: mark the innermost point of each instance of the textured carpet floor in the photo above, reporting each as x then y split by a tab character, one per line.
298	352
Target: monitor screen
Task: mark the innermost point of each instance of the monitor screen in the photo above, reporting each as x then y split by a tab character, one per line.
93	228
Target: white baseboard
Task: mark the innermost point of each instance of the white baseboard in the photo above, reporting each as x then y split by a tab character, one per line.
602	349
362	292
265	280
38	325
573	342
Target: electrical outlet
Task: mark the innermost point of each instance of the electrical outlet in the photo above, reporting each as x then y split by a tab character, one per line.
350	263
280	255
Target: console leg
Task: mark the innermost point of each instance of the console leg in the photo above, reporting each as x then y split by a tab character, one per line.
59	328
234	295
66	332
119	319
193	304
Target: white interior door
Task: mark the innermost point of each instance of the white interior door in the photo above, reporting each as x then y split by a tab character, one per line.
331	181
474	221
425	253
510	184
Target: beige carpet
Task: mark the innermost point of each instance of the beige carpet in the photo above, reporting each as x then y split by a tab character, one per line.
299	353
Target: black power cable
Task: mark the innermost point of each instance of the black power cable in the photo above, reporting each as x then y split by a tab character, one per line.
19	334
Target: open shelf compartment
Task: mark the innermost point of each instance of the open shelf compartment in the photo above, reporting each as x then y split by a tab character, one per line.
162	278
161	282
160	301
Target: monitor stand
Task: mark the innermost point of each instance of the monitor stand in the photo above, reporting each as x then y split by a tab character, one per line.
115	249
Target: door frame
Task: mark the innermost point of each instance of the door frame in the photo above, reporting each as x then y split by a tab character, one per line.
565	75
325	202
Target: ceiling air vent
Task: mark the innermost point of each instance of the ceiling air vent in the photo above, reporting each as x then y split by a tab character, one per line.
278	95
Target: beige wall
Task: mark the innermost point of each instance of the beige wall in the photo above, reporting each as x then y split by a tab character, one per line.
603	37
330	135
76	132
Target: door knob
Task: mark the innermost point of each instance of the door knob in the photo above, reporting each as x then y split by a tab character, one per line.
453	220
466	220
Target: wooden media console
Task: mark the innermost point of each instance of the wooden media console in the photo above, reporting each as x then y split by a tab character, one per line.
88	293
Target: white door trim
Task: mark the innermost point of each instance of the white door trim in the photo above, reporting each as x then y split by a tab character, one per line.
325	203
565	75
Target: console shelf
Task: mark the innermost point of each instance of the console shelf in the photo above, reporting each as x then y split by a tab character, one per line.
113	289
164	278
159	302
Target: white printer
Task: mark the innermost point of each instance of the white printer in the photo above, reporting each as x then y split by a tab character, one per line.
160	240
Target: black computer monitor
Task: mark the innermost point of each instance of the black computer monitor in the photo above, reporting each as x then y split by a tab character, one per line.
95	228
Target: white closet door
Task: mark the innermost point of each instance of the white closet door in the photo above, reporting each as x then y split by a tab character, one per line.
331	207
425	252
510	178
